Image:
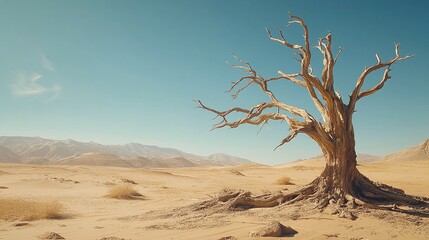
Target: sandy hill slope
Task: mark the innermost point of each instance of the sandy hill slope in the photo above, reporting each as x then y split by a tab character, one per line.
7	156
414	154
417	153
367	158
94	159
174	162
318	161
38	150
222	159
106	159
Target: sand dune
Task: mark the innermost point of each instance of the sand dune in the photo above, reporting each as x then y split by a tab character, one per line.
163	214
420	153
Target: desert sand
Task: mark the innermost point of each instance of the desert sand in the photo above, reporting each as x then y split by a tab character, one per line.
162	213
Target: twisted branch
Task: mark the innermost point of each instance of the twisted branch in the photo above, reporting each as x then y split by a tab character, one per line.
358	94
328	61
311	82
255	116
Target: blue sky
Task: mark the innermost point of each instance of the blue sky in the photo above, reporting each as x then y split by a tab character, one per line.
127	71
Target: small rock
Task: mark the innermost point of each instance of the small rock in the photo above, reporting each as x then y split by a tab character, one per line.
273	229
334	235
128	181
51	235
111	238
20	224
295	216
228	238
288	231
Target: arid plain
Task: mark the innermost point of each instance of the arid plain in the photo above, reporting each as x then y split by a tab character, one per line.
162	211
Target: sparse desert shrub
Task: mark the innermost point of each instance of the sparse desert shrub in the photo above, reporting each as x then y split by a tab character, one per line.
236	172
51	235
111	238
125	180
123	191
284	181
16	209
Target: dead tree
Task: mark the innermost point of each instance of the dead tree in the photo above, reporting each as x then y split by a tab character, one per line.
340	181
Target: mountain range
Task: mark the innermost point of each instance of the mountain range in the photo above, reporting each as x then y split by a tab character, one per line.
36	150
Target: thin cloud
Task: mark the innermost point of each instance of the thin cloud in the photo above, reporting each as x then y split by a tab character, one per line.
46	63
55	90
26	84
31	85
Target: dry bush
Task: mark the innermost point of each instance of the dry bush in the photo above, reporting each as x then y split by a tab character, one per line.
284	181
16	209
51	235
236	172
125	180
123	191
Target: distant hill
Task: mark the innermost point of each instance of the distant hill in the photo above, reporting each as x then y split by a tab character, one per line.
7	156
367	158
222	159
361	158
38	150
94	159
417	153
105	159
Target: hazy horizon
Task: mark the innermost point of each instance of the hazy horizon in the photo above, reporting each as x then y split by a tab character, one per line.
116	72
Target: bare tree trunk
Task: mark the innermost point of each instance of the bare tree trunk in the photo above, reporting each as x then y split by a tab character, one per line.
340	169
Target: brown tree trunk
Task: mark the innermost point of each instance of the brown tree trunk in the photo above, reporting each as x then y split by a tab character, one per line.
339	174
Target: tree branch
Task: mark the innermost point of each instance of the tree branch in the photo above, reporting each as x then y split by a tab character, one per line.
376	87
328	62
283	40
338	54
255	116
255	78
290	77
287	139
357	94
311	82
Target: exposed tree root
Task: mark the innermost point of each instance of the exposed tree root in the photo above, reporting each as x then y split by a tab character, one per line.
364	194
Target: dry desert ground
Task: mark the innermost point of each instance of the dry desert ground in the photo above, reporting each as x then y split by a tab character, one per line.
83	210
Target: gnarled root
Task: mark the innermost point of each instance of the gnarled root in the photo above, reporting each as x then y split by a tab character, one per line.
363	194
